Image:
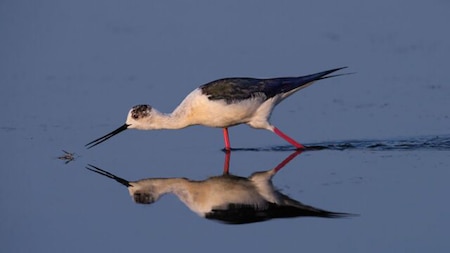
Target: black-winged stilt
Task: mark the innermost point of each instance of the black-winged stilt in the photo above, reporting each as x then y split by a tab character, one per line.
223	103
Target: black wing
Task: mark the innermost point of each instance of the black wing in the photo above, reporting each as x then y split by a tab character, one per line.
236	89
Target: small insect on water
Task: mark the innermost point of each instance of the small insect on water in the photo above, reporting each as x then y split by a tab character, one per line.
68	157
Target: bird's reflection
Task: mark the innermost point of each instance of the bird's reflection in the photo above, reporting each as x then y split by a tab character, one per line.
227	198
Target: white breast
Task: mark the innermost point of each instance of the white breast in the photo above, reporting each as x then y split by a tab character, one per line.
217	113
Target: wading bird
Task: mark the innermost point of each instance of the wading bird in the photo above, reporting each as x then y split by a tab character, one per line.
223	103
226	198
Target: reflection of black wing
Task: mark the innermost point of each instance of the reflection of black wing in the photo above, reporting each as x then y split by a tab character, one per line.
241	214
238	214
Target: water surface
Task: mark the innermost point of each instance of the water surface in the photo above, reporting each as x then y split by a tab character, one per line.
69	72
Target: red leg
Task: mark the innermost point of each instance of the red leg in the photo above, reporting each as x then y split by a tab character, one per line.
287	160
226	138
226	165
288	139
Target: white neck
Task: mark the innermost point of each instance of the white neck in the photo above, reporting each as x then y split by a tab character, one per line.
175	120
183	116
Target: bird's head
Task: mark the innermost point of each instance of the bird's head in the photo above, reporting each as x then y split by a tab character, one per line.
140	117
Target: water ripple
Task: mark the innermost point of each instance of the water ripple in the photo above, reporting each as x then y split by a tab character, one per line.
435	142
416	143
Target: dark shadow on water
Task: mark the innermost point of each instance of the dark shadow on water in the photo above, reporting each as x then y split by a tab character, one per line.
226	198
435	142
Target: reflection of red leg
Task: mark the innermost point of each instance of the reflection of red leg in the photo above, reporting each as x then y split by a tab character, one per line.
226	138
226	165
287	160
288	139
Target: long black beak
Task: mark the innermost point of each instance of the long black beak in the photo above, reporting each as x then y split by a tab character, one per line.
108	174
107	136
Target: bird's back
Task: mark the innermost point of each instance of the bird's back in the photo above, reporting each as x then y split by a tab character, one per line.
237	89
241	88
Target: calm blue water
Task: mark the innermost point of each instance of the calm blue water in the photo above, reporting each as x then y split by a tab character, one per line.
70	71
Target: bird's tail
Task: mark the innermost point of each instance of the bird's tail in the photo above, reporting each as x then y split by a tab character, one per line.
336	75
290	85
322	75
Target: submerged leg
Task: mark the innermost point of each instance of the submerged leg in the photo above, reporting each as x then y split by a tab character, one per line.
226	138
288	139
